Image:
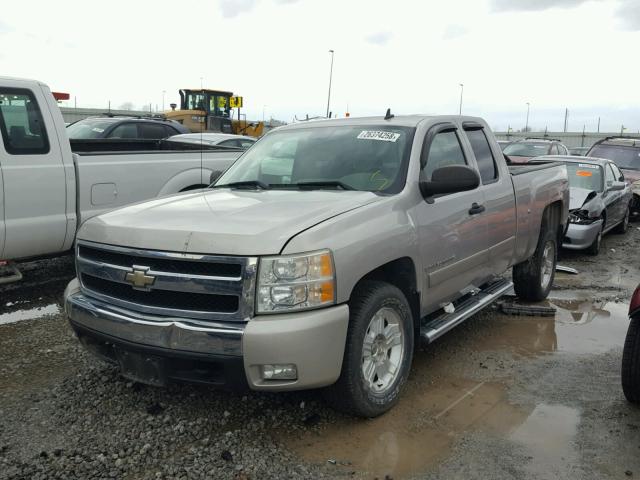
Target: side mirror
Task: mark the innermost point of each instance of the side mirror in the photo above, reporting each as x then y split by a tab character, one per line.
214	176
617	186
450	179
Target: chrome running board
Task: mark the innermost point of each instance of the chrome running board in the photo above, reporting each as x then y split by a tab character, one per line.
432	328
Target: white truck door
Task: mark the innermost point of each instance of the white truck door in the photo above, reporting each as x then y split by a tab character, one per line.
33	173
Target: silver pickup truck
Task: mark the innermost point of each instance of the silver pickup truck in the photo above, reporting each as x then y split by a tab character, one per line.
319	259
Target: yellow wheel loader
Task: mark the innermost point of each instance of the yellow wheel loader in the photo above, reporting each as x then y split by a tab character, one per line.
205	110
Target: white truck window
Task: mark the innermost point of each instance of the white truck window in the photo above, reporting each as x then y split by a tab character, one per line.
445	150
21	124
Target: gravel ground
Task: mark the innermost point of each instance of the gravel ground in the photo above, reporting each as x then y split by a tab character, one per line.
499	397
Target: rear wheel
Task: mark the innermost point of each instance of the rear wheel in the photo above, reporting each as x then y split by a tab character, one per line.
532	279
631	362
623	226
378	352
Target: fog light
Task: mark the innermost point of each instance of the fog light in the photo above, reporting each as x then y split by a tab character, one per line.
280	372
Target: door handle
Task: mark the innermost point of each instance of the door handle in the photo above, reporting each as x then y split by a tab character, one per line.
476	209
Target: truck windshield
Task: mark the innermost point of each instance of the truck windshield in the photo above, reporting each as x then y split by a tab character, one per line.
585	175
625	157
526	149
88	129
367	158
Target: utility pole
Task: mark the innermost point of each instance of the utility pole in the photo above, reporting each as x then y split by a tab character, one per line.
566	116
526	126
163	92
598	124
461	92
330	77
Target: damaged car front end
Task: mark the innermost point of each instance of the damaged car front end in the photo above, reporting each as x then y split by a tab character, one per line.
585	221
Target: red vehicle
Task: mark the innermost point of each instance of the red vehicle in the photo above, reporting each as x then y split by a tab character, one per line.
631	353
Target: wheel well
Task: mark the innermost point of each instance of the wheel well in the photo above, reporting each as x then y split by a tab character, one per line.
551	216
193	187
400	273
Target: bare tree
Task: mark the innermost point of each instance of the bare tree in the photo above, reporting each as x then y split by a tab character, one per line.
126	106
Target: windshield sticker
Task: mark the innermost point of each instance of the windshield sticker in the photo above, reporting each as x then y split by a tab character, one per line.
96	129
588	165
583	173
378	135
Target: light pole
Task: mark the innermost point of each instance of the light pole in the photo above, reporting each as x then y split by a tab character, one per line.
263	108
330	76
526	126
163	92
461	91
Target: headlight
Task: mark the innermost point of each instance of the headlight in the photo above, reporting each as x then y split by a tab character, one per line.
581	217
296	282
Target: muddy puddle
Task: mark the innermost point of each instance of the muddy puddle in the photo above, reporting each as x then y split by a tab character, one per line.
423	428
580	326
436	411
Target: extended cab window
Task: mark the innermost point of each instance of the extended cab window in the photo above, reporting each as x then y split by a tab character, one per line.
482	152
21	124
444	150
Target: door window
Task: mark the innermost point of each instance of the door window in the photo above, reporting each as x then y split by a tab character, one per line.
125	130
21	123
610	177
151	131
444	150
484	157
616	172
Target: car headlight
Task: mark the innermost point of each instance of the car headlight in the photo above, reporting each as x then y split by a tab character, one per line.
581	217
296	282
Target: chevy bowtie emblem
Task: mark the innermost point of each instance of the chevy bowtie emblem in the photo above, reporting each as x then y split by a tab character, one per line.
139	279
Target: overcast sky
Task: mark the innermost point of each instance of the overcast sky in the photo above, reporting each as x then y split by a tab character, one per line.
407	55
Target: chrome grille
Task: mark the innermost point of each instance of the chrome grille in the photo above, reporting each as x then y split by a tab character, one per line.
205	287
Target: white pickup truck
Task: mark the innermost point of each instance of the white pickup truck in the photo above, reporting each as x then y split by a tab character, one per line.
48	187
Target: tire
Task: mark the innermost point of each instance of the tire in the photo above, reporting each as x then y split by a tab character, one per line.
594	248
374	307
631	362
533	278
623	226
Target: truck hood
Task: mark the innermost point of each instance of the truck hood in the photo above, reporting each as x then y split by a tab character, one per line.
222	221
579	196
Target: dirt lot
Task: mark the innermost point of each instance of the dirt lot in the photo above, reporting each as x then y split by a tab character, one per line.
499	397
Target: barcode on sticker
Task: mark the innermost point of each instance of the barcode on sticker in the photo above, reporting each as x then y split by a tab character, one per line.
378	135
588	165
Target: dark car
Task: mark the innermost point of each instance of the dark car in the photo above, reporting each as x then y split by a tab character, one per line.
133	128
631	352
625	152
521	151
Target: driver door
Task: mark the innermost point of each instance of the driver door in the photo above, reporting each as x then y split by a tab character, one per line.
452	228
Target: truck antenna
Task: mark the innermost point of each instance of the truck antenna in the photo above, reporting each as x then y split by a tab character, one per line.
388	115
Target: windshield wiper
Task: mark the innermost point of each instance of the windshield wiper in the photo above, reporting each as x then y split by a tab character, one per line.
323	184
257	184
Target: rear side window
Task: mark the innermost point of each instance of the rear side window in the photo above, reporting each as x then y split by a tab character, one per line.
445	150
124	130
21	123
151	131
484	157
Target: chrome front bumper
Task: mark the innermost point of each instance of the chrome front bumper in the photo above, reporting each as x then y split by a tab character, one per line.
314	341
579	237
159	332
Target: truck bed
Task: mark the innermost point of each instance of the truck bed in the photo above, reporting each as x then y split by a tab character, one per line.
533	166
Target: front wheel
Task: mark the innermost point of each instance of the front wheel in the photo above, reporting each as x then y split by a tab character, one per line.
532	279
594	248
631	362
378	351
